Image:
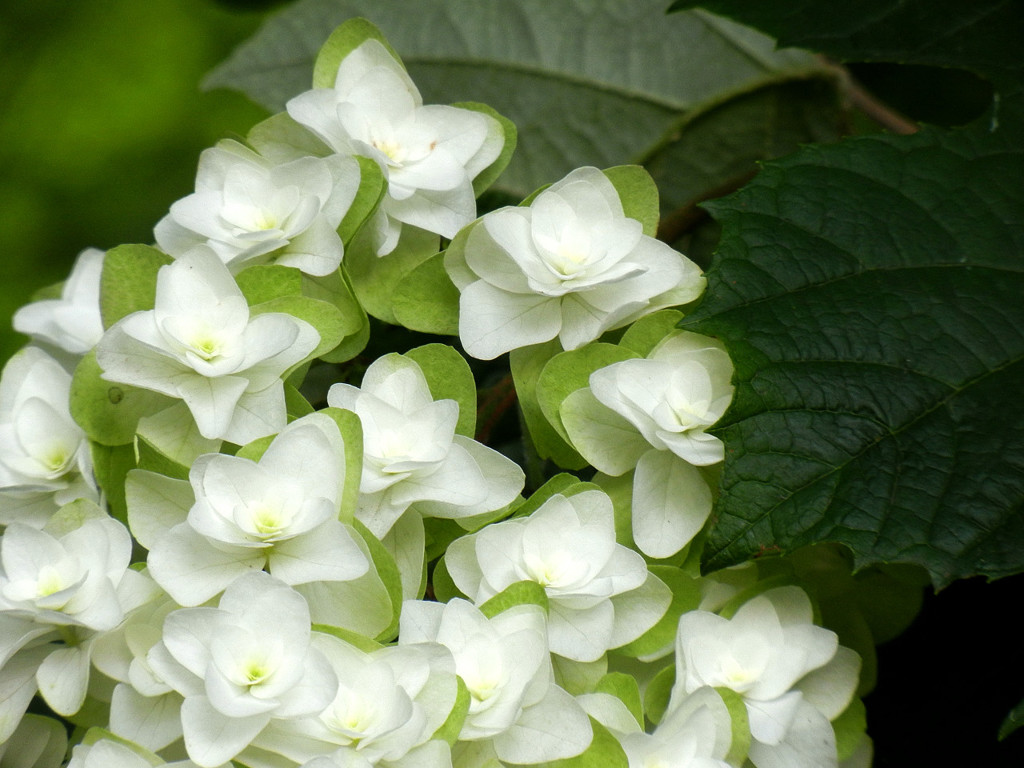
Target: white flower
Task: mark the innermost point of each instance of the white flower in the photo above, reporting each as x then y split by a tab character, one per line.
411	454
571	266
793	676
429	154
72	322
389	704
44	455
250	211
650	414
106	753
200	344
280	513
504	662
600	594
241	665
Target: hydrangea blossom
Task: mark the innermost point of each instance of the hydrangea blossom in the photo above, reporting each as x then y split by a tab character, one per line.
251	211
389	704
44	455
571	266
411	454
280	513
429	154
200	344
650	414
71	323
600	594
241	665
516	712
793	676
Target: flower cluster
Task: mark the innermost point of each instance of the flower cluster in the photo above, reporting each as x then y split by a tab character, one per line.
208	559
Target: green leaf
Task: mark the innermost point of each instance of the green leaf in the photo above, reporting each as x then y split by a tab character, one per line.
568	371
878	352
1013	721
128	282
624	86
449	378
336	289
376	278
427	300
109	412
519	593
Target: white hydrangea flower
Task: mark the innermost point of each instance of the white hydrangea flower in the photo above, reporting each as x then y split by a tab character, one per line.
45	460
793	676
600	594
241	665
280	513
251	211
571	266
389	704
200	344
516	712
107	753
411	454
650	414
77	582
429	154
71	323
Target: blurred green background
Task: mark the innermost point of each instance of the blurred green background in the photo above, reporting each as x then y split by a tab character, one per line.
101	124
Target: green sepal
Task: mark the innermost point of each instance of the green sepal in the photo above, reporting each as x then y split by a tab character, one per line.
281	139
48	292
356	640
658	693
638	193
518	593
1013	721
852	725
128	280
490	174
266	282
326	318
111	464
563	483
109	411
426	299
173	434
387	571
578	677
604	752
166	498
526	364
568	371
449	378
295	405
340	44
626	689
643	335
351	430
740	745
620	491
73	516
452	726
94	712
335	289
254	450
372	188
439	533
728	610
686	597
375	278
444	584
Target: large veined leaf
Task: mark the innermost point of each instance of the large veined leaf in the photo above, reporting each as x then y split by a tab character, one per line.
587	82
870	295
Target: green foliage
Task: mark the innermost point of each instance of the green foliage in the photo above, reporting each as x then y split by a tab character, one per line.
868	293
